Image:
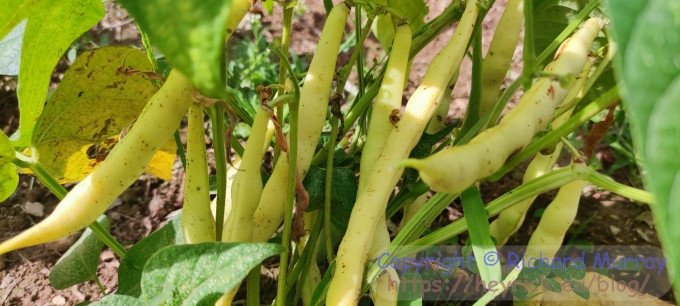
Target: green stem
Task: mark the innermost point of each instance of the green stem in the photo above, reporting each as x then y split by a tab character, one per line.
306	259
432	29
473	110
498	107
360	107
58	190
574	151
253	287
529	55
344	72
359	46
292	179
99	284
218	132
592	109
329	179
285	43
180	150
608	184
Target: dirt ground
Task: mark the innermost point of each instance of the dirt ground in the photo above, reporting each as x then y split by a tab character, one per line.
143	208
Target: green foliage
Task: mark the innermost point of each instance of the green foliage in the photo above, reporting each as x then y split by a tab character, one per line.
79	263
343	193
48	34
649	67
9	179
94	102
130	270
191	36
250	63
14	11
480	239
196	273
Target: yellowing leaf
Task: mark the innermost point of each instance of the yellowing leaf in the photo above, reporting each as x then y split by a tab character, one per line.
95	101
161	163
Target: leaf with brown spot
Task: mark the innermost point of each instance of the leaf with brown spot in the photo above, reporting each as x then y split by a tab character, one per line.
93	104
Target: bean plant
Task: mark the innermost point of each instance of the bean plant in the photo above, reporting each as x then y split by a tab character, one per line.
354	179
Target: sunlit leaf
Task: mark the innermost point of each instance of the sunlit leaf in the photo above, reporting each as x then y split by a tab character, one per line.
95	101
49	33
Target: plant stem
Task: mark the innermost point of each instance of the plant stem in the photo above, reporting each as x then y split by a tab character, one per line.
344	72
359	46
329	179
99	284
608	184
529	55
180	150
218	132
574	151
534	187
306	258
292	179
432	29
60	192
592	109
253	287
473	110
285	43
498	107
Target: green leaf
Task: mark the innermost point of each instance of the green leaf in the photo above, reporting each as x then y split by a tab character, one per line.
14	11
48	35
94	102
190	34
343	193
649	67
269	6
383	27
118	300
130	270
195	274
9	179
10	50
79	263
480	239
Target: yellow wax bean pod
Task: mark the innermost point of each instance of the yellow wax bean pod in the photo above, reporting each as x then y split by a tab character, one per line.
454	169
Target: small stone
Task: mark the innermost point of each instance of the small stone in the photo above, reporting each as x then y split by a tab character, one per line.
7	281
59	300
614	229
35	209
